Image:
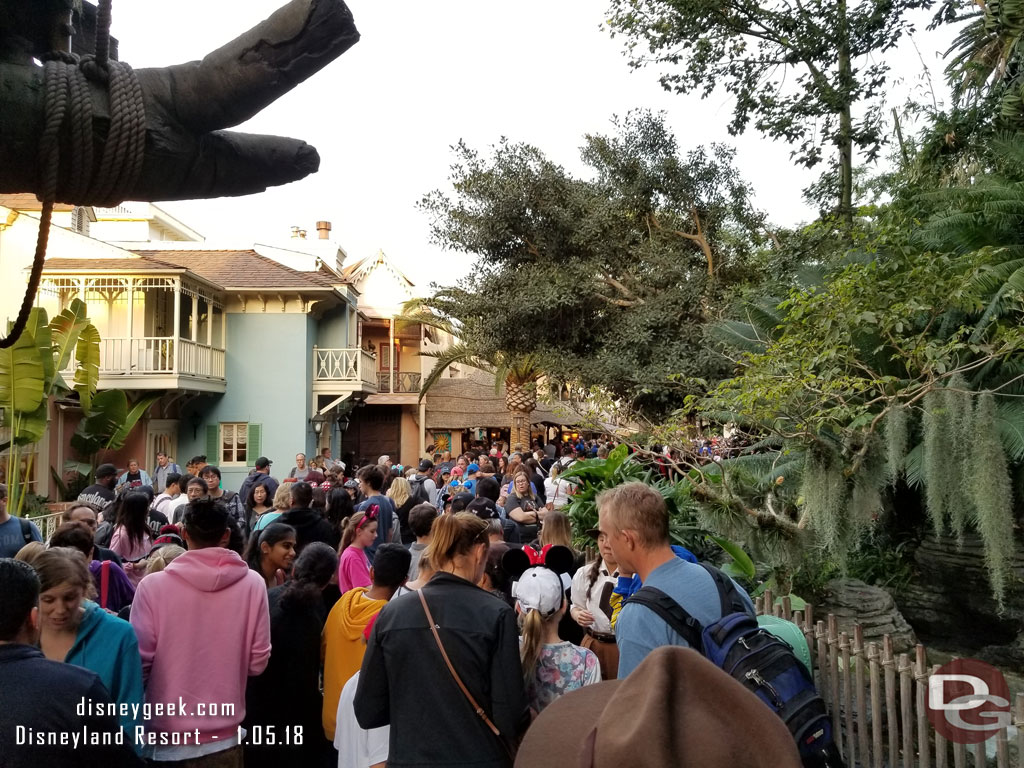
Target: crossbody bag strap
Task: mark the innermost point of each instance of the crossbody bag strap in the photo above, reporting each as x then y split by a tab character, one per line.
455	675
104	582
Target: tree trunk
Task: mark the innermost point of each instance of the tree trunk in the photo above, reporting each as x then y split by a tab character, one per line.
520	399
845	118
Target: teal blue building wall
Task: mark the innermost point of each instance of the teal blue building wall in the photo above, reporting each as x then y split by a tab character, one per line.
332	330
268	368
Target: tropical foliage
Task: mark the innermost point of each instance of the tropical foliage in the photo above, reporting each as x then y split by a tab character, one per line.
32	371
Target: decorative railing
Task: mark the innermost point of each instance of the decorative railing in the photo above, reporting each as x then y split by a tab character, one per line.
150	355
405	383
344	365
878	700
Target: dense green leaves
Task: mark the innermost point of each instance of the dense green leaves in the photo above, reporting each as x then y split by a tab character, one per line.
608	281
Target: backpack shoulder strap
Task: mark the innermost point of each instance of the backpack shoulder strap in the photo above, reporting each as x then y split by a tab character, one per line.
672	613
26	529
727	592
104	582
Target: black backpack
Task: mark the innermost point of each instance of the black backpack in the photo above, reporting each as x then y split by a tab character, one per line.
757	659
419	493
26	530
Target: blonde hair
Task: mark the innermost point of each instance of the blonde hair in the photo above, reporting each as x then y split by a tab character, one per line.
400	491
163	557
556	529
637	507
283	497
30	552
531	625
454	535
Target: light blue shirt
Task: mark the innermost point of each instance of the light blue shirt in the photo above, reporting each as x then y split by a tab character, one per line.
639	630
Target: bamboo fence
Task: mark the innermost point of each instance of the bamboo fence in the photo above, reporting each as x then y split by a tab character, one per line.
877	700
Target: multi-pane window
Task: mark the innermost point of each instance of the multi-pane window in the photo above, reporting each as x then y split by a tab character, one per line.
234	439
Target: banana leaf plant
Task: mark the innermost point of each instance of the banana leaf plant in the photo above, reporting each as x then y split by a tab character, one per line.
106	423
31	371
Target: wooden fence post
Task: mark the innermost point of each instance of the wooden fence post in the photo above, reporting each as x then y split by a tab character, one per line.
787	608
876	707
844	656
833	668
862	707
940	740
1020	729
907	709
979	755
923	740
959	755
889	662
824	685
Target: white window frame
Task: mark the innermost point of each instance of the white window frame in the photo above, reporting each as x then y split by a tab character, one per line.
236	429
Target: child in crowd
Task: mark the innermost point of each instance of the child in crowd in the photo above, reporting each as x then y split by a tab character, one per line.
551	667
354	567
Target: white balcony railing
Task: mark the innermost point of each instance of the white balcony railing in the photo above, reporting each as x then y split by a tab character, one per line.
345	365
156	355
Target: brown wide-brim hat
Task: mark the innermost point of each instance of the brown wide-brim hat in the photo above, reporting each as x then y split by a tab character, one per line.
675	709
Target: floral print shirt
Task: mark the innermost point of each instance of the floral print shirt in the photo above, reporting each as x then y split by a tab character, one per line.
562	667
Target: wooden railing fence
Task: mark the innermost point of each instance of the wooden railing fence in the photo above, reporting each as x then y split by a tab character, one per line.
877	699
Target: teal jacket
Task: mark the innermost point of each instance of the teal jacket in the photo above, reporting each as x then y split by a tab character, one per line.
107	646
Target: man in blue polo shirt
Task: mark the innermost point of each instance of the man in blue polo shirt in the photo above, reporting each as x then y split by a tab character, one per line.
634	518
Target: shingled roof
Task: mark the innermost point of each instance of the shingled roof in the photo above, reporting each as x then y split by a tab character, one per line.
243	269
470	402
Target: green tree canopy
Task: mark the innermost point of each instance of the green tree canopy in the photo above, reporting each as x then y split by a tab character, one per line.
607	280
797	68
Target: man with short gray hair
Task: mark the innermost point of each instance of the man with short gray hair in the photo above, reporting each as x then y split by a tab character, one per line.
634	518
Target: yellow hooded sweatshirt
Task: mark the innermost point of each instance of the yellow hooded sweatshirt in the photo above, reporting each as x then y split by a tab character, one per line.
342	647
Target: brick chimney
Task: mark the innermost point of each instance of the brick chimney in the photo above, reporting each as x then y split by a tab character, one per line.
295	232
323	229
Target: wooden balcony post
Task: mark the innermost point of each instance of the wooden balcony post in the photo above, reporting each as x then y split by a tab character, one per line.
176	331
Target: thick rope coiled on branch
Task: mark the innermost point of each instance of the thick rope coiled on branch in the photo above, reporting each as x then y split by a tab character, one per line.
68	120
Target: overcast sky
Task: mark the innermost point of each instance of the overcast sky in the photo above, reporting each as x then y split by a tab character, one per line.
426	74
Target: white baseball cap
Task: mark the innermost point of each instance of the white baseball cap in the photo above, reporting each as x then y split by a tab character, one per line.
539	589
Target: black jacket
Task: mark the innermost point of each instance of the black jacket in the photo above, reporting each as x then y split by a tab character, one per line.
43	696
404	681
310	526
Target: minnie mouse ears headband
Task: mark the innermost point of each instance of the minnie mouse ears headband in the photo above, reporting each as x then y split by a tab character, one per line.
516	562
540	577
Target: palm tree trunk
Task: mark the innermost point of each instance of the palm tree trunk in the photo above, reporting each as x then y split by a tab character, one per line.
520	432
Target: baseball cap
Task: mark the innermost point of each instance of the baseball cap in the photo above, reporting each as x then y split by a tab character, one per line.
351	483
483	508
105	470
472	468
539	589
263	462
426	464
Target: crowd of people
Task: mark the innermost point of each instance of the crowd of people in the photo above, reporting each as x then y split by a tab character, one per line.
436	615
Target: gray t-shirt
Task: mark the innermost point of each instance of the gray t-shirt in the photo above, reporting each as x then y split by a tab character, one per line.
639	630
416	550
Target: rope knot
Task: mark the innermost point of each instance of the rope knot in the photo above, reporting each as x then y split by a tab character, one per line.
94	71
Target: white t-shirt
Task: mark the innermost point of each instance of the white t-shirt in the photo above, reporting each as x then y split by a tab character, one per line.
174	509
357	748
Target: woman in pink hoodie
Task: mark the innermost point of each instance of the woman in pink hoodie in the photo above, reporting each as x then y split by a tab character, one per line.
210	613
131	539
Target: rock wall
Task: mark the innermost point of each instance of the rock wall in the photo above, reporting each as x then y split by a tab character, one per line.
852	601
949	602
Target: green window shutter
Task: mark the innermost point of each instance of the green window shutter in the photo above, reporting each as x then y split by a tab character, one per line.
213	444
255	448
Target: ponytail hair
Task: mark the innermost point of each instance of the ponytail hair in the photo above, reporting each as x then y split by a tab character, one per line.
532	625
349	526
454	535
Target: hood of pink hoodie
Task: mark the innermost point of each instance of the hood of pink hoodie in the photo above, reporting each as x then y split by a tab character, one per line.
210	569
